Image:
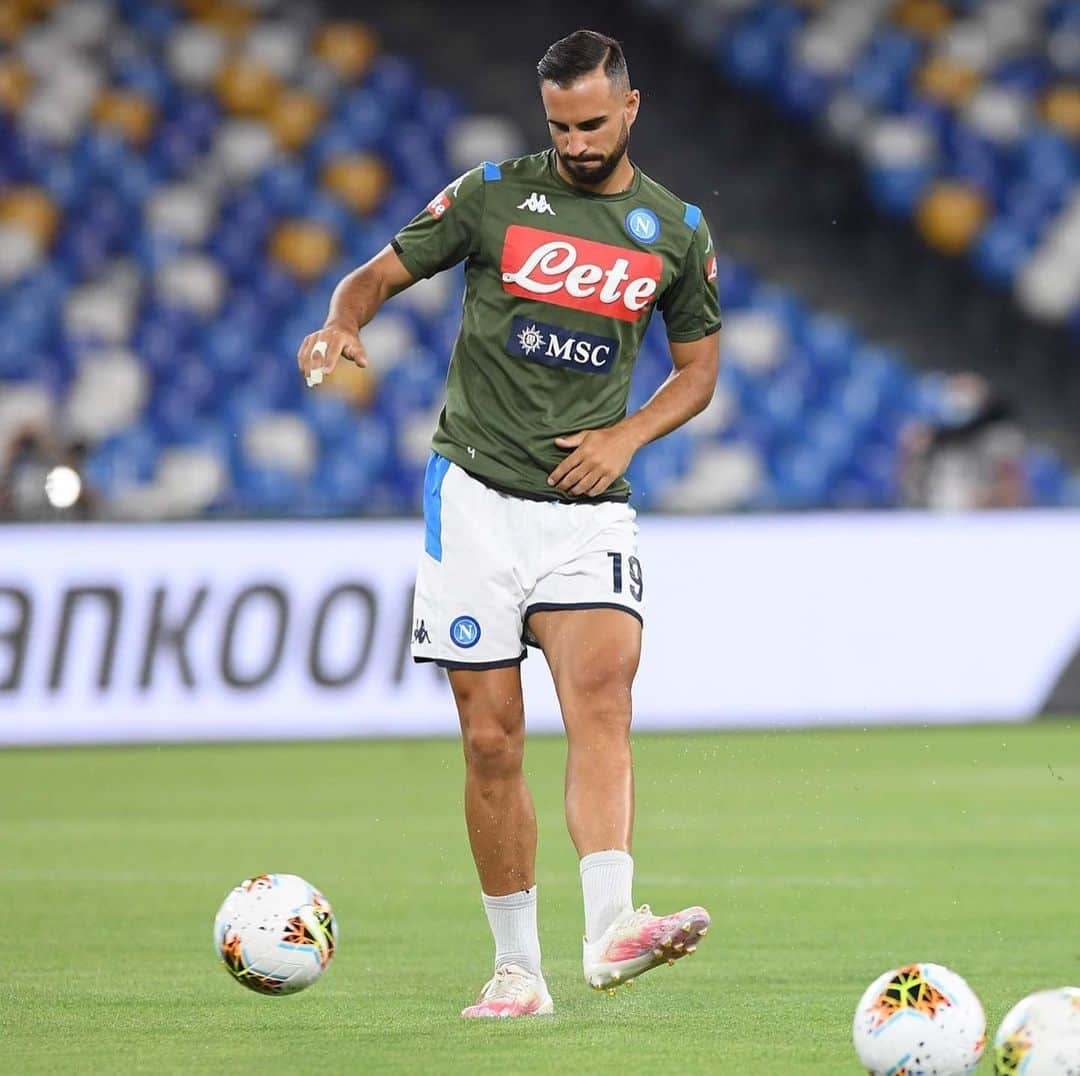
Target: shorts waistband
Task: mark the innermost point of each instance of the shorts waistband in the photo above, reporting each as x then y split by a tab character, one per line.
529	495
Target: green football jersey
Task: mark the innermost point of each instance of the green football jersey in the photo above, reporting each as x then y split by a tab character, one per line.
560	285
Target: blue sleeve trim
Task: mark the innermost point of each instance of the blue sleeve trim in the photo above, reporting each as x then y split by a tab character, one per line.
433	480
492	172
692	217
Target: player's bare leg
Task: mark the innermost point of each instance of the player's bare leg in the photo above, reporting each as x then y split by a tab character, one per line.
593	655
501	821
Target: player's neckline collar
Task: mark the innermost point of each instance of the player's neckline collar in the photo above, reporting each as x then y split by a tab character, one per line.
629	192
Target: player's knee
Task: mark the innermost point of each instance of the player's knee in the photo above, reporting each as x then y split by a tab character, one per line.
597	704
492	749
602	686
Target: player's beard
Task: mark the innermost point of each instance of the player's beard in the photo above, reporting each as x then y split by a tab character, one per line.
591	175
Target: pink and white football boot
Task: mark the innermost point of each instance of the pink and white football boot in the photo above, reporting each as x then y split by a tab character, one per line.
513	991
639	941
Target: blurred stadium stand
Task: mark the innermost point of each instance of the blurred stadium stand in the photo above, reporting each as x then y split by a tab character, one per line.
182	184
965	114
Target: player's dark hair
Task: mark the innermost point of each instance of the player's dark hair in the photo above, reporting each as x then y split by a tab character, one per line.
574	56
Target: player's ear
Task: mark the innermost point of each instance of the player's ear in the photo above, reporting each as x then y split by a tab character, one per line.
631	101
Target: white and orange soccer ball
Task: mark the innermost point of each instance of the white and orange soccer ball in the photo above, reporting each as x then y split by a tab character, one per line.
919	1020
1040	1035
275	933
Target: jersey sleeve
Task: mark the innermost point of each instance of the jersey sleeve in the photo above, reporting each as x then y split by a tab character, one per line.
690	304
446	230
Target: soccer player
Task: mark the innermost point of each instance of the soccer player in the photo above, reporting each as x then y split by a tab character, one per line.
529	538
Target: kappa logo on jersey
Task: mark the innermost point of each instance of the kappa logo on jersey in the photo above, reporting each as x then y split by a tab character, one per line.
537	203
599	278
710	270
551	345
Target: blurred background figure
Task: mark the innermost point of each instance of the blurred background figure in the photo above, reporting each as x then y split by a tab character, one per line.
973	457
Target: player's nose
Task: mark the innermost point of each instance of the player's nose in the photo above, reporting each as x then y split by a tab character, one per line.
576	146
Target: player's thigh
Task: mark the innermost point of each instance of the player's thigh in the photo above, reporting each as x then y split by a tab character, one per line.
467	609
491	710
593	655
587	611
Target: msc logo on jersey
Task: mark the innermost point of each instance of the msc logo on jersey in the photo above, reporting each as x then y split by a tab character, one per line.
537	203
564	270
643	225
551	345
465	632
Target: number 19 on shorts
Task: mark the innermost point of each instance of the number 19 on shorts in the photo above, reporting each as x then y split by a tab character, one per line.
636	584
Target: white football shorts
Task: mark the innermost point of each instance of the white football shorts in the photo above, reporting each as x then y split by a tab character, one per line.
491	560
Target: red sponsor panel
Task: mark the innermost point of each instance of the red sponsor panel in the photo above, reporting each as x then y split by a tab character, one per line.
565	270
438	205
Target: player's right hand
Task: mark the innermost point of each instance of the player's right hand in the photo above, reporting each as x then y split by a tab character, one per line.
320	352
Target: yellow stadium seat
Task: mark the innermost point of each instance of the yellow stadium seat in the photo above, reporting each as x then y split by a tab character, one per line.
347	47
14	85
247	88
293	118
1061	107
360	180
950	216
12	20
34	9
232	20
923	18
357	384
131	115
948	80
303	247
33	209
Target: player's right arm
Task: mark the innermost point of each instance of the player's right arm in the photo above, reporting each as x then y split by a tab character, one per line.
446	231
354	303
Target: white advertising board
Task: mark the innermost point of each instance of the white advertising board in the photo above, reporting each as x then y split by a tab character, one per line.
263	630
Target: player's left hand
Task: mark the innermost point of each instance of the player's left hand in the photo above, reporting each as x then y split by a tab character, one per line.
596	459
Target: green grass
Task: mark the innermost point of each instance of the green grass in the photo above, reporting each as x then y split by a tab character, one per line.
825	859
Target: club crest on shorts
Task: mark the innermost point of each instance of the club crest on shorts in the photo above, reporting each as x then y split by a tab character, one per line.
643	225
465	632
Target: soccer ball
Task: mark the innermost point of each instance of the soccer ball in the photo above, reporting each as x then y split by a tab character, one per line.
1053	1055
275	933
919	1020
1040	1034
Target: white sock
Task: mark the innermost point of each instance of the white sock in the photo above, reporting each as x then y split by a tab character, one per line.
607	879
513	924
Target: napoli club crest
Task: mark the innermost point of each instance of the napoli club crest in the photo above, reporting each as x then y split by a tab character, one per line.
643	225
465	632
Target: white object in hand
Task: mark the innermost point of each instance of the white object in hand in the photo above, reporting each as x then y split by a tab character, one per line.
315	377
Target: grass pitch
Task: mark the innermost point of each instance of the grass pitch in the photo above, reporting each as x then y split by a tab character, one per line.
825	858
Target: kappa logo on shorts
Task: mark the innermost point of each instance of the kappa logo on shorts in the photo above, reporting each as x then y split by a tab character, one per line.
465	632
420	633
551	345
